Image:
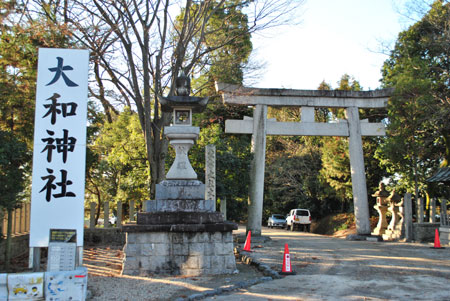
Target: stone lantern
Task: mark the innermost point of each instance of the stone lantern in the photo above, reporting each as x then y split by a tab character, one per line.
180	232
381	206
182	135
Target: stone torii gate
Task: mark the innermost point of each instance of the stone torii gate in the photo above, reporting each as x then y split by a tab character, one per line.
259	126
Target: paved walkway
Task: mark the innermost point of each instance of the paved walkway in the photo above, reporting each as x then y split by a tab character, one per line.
336	269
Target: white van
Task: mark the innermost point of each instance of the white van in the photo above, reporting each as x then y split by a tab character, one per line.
300	219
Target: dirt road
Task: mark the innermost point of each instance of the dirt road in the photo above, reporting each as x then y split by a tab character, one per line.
336	269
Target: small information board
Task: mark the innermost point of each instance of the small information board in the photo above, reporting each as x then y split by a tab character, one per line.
62	249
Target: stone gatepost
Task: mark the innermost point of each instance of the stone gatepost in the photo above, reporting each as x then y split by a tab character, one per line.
210	172
119	214
409	235
92	208
433	210
131	210
180	233
420	211
106	214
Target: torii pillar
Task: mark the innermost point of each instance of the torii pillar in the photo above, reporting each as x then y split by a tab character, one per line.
308	100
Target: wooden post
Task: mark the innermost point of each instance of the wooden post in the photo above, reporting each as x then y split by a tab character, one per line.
16	221
27	217
21	227
4	222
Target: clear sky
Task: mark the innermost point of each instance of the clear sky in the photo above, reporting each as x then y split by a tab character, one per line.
335	37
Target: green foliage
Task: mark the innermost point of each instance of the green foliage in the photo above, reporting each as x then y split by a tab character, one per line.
224	64
118	165
292	180
336	166
335	157
13	157
233	159
19	42
419	127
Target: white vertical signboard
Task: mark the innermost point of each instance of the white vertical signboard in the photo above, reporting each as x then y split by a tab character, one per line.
57	196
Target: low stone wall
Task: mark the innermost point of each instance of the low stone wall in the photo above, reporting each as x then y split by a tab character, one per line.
108	236
425	232
19	245
444	236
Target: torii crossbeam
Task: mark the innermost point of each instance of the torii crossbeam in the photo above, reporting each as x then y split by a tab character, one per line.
259	126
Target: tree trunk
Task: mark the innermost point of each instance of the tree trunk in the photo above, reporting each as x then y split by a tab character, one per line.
446	137
99	199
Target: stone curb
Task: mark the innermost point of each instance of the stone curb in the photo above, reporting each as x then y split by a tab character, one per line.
262	267
245	257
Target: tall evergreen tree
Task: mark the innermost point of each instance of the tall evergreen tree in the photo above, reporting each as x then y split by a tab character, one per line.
13	159
419	128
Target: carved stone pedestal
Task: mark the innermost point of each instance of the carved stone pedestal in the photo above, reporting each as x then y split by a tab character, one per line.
382	222
396	229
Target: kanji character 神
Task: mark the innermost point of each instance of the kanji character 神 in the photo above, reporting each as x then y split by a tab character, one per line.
63	145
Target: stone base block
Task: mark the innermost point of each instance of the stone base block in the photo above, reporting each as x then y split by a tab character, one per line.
180	190
180	205
378	231
392	235
178	253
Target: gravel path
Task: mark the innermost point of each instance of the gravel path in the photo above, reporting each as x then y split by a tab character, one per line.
337	269
105	282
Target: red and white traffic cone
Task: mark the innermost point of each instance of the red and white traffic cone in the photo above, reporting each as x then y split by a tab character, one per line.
287	268
248	242
437	241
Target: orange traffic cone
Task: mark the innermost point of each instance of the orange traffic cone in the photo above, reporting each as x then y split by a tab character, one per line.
437	241
287	269
248	242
